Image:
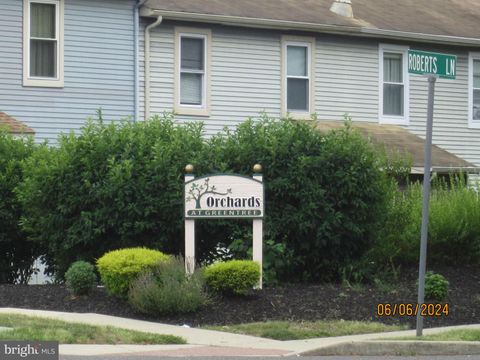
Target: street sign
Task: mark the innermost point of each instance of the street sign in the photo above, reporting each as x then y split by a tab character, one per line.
429	63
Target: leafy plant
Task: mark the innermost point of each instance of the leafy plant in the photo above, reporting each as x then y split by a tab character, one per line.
17	252
436	286
80	278
236	277
166	289
118	268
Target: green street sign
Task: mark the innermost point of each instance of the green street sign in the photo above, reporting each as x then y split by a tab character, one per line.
429	63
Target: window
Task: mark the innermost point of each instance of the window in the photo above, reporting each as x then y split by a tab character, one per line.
297	76
393	85
474	90
192	75
43	43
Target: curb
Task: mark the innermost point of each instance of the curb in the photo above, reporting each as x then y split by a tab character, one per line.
397	348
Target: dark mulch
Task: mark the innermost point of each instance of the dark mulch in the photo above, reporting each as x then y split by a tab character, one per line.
294	302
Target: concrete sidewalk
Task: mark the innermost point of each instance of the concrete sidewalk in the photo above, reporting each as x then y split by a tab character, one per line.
211	343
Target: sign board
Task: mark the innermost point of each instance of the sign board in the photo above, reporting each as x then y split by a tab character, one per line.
224	196
429	63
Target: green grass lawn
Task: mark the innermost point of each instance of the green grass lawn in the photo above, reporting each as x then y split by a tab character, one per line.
452	335
42	329
285	330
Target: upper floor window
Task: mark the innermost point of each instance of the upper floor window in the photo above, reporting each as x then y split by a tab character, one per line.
393	84
474	90
297	79
43	43
192	75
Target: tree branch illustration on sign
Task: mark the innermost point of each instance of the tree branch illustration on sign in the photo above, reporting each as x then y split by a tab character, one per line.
196	192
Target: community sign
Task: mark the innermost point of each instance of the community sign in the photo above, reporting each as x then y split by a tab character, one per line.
224	196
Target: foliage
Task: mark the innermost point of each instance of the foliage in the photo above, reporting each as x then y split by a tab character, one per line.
236	277
118	268
436	286
17	252
326	192
40	329
454	226
113	186
166	289
80	278
276	258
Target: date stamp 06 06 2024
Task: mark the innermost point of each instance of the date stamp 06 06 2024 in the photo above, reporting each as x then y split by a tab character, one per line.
411	309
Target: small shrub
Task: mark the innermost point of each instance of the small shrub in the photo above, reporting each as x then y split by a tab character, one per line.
236	277
118	268
436	286
167	290
81	278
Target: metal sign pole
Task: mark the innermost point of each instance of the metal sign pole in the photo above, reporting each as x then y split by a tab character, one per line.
426	201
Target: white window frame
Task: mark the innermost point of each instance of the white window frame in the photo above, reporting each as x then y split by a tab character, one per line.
28	80
206	35
473	124
392	119
309	43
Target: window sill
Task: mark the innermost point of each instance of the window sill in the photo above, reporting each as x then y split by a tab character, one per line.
43	83
394	120
474	124
192	111
298	115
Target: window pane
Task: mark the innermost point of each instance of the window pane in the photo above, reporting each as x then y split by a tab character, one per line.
43	59
393	99
297	94
476	104
392	67
297	57
192	53
191	89
42	20
476	74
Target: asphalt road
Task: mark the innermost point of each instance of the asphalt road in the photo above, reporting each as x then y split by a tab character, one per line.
437	357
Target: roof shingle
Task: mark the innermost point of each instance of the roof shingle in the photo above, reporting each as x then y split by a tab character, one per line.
14	126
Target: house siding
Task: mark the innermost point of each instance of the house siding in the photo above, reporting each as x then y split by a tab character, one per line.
98	67
246	80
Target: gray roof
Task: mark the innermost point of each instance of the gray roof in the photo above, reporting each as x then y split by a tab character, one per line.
399	141
456	19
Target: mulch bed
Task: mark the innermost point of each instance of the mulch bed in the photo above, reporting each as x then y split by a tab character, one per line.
294	302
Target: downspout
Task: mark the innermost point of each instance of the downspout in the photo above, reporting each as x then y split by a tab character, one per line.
147	64
136	80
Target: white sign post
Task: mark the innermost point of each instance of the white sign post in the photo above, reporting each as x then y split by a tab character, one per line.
223	196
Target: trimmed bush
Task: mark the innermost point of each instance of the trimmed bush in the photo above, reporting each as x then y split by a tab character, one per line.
436	286
80	278
167	290
118	268
236	277
17	252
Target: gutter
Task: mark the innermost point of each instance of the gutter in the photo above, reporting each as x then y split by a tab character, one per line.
136	77
147	64
312	27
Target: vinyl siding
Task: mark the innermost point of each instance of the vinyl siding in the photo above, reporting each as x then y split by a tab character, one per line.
246	79
98	67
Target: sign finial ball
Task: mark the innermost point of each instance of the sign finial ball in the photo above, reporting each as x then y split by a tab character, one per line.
257	168
189	169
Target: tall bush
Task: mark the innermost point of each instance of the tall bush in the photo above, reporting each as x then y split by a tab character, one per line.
17	253
113	186
325	193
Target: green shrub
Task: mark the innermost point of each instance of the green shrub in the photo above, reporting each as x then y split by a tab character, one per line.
236	277
17	252
121	184
118	268
436	286
454	226
115	185
167	290
80	278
